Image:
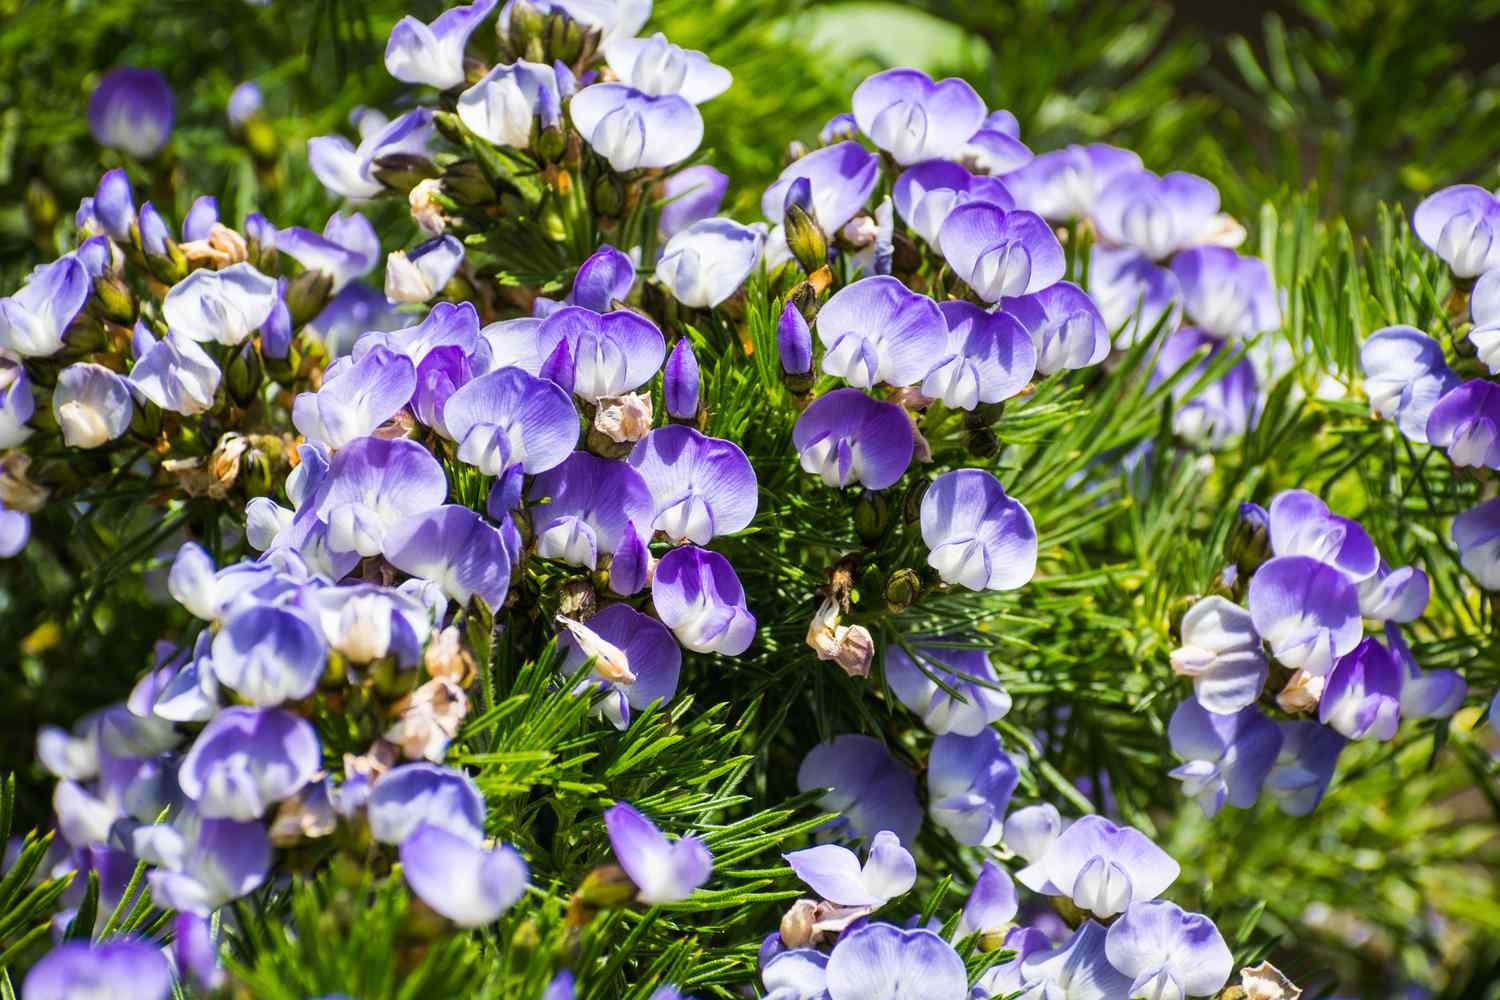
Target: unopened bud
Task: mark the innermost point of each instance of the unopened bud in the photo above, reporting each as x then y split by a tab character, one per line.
902	590
872	517
307	294
403	171
465	182
115	299
1250	542
911	504
607	888
805	238
983	443
528	23
257	474
797	924
578	600
795	150
243	375
170	267
609	195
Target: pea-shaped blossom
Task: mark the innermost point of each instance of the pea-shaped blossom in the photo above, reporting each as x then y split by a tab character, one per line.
1484	313
1225	757
632	129
176	374
977	536
1065	326
682	382
834	872
204	863
1133	295
793	341
611	354
1476	532
1363	695
222	307
1466	422
371	487
996	148
1223	409
708	261
366	622
349	171
970	780
457	549
511	418
1394	595
923	679
1156	215
132	110
1101	867
925	194
356	399
655	66
638	663
1425	694
34	319
504	105
991	904
883	962
989	358
1221	653
1168	952
794	974
1062	185
424	271
589	502
877	330
841	177
434	53
688	196
248	759
92	405
1461	224
1304	767
663	871
914	119
269	655
999	253
470	884
1225	294
1078	967
413	795
125	968
698	596
867	788
700	486
1306	610
1302	525
846	437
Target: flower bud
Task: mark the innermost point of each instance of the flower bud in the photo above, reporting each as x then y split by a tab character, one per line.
403	171
606	888
425	210
804	237
983	443
449	659
1302	693
578	600
528	25
1250	541
681	382
797	924
307	294
902	590
795	150
872	517
609	195
243	375
257	474
624	419
466	183
911	504
115	300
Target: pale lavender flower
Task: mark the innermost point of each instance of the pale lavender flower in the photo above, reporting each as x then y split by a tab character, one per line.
991	905
356	310
834	872
1466	422
123	968
447	324
612	353
201	218
1064	184
1066	328
1484	313
1307	612
877	330
1225	757
663	871
846	437
511	418
1476	532
839	128
996	149
1222	410
203	863
967	671
656	67
989	358
589	502
244	103
999	253
469	884
371	487
456	548
614	19
1431	694
248	759
356	399
681	381
347	249
176	374
1221	652
970	780
1133	295
434	54
1461	224
1168	953
504	106
1309	754
869	790
1102	867
408	797
155	237
1155	215
92	405
114	205
1394	595
132	110
1363	695
841	178
34	319
976	535
637	663
1227	295
269	655
632	130
1302	525
914	119
925	194
795	974
698	596
689	196
882	962
223	307
605	278
700	486
366	622
348	171
708	261
1077	968
1005	979
419	275
196	952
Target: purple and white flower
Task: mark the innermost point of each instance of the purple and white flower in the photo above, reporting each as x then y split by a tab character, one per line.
589	503
991	905
347	249
999	253
989	358
509	417
1466	422
700	486
923	679
1156	215
433	54
1133	295
682	381
970	780
1065	326
470	884
656	67
1302	525
636	660
419	275
1476	532
132	110
834	872
412	796
698	596
846	437
1222	410
1309	754
223	307
1221	652
663	871
504	106
632	129
92	405
914	119
203	863
176	374
976	535
248	759
876	330
708	261
882	962
123	968
1064	184
34	320
348	171
355	398
1077	968
1363	695
1168	952
456	548
925	194
1101	867
1307	611
1227	295
1225	757
841	176
1461	224
688	196
869	789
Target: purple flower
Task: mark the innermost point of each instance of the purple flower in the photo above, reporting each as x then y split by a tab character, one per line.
353	312
1077	968
991	904
356	399
688	196
841	176
707	262
976	535
371	487
1221	652
114	205
613	353
1302	525
1484	312
1064	184
1309	754
348	171
366	622
636	663
203	863
681	382
1433	694
909	116
176	374
1461	224
656	67
701	487
1133	295
1168	952
414	796
248	759
834	872
92	405
195	951
1000	253
348	248
793	341
927	193
1102	867
989	358
34	320
996	151
1066	327
510	418
1006	978
869	790
838	129
1466	422
154	238
244	103
1394	595
418	276
1225	294
602	280
447	324
970	780
469	884
1226	757
590	501
698	596
434	54
506	103
1405	376
965	670
1222	410
222	307
882	962
1363	695
269	655
1155	215
457	549
1476	532
124	968
1306	610
663	871
632	130
876	330
131	110
846	437
201	218
795	974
